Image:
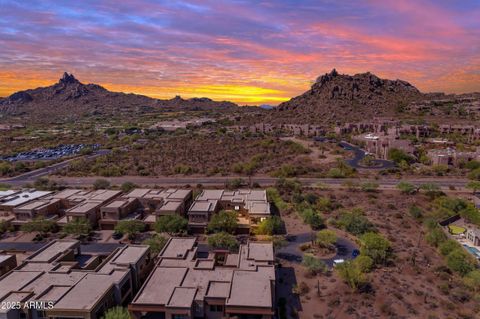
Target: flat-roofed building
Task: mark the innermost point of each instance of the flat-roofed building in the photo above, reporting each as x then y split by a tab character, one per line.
48	208
251	204
223	285
89	205
78	286
7	192
119	209
8	203
155	203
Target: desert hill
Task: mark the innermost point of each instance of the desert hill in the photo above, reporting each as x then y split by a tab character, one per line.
340	97
69	99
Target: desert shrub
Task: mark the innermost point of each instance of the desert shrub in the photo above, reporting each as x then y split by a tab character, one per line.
369	187
183	169
355	223
274	196
313	264
128	186
472	280
436	236
351	275
461	262
312	218
416	212
326	238
116	313
448	246
101	184
376	247
364	263
406	188
270	226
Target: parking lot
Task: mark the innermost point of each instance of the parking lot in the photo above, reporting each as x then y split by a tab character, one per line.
49	153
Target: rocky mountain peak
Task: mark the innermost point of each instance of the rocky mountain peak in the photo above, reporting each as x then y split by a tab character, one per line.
68	79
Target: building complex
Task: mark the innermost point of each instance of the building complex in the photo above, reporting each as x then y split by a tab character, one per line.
58	281
186	285
251	205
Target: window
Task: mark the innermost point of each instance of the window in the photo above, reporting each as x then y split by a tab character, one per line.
216	308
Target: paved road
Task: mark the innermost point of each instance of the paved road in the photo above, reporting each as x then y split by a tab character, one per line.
386	183
33	175
293	253
360	154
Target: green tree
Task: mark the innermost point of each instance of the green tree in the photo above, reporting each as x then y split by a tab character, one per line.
312	218
461	262
116	313
364	263
130	227
355	223
474	174
223	221
436	236
101	184
41	225
78	227
156	243
128	186
313	264
431	190
470	214
376	247
351	275
471	165
171	224
222	240
472	280
406	188
448	246
270	226
399	156
473	185
326	238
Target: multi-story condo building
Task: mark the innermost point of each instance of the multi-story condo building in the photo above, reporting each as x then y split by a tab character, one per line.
58	281
221	285
252	206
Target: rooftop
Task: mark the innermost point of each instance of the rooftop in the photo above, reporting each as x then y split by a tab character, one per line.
57	278
181	277
22	197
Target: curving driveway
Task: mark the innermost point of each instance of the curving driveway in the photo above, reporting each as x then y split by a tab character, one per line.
292	251
359	155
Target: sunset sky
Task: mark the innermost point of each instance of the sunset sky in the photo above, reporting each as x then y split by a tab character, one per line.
249	52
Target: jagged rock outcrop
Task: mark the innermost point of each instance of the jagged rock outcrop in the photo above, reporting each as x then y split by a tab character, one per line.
340	97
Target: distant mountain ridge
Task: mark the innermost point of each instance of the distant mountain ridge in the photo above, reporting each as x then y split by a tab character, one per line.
340	97
69	99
